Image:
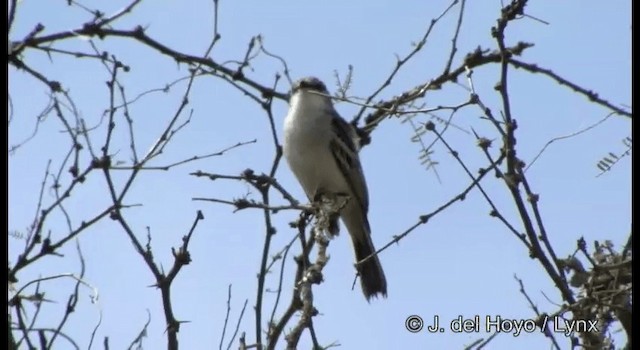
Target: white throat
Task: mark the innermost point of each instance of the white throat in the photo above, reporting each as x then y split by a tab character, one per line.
310	106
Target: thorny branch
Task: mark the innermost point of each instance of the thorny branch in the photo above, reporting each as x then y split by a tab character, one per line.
605	289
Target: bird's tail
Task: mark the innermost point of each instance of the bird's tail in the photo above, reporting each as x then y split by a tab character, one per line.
371	275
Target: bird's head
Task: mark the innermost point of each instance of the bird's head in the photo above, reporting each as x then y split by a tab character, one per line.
310	93
309	84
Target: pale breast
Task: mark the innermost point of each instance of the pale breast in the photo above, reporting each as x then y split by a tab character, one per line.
308	153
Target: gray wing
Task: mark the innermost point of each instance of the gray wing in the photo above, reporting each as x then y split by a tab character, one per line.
346	155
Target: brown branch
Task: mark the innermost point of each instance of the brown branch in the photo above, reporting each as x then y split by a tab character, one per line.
474	59
589	94
399	64
138	34
540	316
426	217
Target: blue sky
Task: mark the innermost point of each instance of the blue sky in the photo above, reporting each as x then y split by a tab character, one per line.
461	263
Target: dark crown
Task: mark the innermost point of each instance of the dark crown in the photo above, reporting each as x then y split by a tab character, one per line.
309	83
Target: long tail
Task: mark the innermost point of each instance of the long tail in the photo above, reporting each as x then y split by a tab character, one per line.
371	274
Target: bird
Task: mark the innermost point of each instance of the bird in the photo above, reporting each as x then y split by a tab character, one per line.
321	149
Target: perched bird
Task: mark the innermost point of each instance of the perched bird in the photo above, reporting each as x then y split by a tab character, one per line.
322	151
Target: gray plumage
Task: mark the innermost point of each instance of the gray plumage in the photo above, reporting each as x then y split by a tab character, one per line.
321	149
